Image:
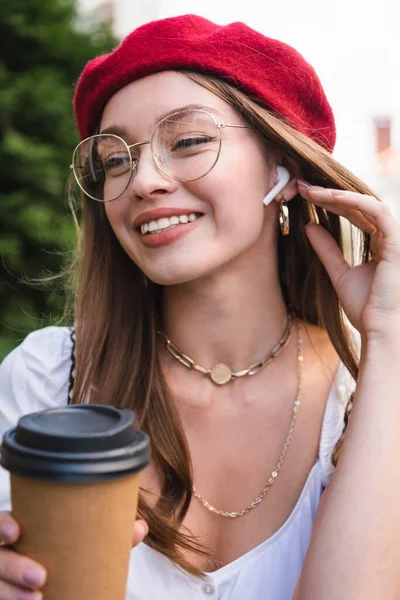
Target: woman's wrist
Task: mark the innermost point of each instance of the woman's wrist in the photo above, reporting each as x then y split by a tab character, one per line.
386	334
380	351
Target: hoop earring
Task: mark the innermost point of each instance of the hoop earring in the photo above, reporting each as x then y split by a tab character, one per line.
284	222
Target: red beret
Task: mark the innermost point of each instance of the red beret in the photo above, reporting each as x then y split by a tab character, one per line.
271	71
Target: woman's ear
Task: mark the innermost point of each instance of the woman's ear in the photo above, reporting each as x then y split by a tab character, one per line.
289	191
291	188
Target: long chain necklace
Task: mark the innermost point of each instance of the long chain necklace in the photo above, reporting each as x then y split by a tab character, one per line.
275	473
221	373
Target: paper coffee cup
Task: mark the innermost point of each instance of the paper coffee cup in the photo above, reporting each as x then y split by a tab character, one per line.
74	492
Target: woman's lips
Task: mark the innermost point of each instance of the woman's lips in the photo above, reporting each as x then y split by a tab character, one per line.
169	236
158	213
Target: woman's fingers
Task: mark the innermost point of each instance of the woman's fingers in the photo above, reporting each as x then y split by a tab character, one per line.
20	570
371	208
385	234
324	198
340	201
329	252
9	529
15	569
141	529
12	592
354	217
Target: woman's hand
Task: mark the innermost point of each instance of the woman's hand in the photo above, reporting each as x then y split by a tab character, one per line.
369	293
20	577
141	529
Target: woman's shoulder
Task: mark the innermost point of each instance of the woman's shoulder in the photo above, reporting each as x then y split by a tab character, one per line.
35	375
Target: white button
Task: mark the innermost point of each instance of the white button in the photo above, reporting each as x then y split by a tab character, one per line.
208	589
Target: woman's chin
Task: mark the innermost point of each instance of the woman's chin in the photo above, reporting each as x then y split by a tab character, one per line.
177	274
171	278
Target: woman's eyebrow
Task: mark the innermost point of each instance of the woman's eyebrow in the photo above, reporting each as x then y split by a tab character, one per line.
121	131
175	111
115	130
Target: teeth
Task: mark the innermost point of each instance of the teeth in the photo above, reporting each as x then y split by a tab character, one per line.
166	223
163	223
153	225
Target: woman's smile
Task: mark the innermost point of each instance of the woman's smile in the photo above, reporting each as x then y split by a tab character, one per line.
164	231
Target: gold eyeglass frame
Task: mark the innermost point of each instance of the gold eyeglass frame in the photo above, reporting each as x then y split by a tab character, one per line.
132	168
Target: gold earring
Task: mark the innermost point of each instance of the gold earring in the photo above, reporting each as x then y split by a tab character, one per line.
284	218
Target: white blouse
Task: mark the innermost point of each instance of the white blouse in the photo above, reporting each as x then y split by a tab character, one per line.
35	376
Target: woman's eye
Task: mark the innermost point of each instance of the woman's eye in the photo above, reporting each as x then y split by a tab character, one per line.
116	163
191	142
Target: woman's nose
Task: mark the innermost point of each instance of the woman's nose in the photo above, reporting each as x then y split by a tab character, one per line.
147	179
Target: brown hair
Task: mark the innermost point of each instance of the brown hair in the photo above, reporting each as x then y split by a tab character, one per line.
116	311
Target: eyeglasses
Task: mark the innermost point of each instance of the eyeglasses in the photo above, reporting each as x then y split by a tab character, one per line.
185	146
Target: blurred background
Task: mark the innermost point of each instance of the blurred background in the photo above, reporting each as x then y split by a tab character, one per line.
354	45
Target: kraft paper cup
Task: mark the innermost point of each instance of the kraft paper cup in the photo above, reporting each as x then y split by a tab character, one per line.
74	491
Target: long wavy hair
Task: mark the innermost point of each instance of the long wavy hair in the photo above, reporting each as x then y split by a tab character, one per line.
116	310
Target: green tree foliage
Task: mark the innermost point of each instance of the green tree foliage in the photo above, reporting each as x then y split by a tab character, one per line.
43	48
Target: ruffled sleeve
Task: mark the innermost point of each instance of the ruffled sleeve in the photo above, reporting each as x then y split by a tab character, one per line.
33	377
333	421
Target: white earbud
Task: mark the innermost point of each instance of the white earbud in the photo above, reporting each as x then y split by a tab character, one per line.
283	179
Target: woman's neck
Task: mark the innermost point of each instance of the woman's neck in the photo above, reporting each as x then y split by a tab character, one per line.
235	317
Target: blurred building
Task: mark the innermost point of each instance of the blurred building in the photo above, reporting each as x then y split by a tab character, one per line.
124	15
387	164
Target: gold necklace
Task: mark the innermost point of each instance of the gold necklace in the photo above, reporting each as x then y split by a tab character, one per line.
275	473
221	373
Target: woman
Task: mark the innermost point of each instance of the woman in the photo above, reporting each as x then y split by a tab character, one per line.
211	302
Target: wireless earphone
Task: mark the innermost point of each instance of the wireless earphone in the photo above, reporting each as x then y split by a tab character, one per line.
283	179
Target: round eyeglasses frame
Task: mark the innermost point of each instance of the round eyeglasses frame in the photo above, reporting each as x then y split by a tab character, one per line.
155	157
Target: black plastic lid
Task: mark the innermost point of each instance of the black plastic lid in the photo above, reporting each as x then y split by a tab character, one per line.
82	443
